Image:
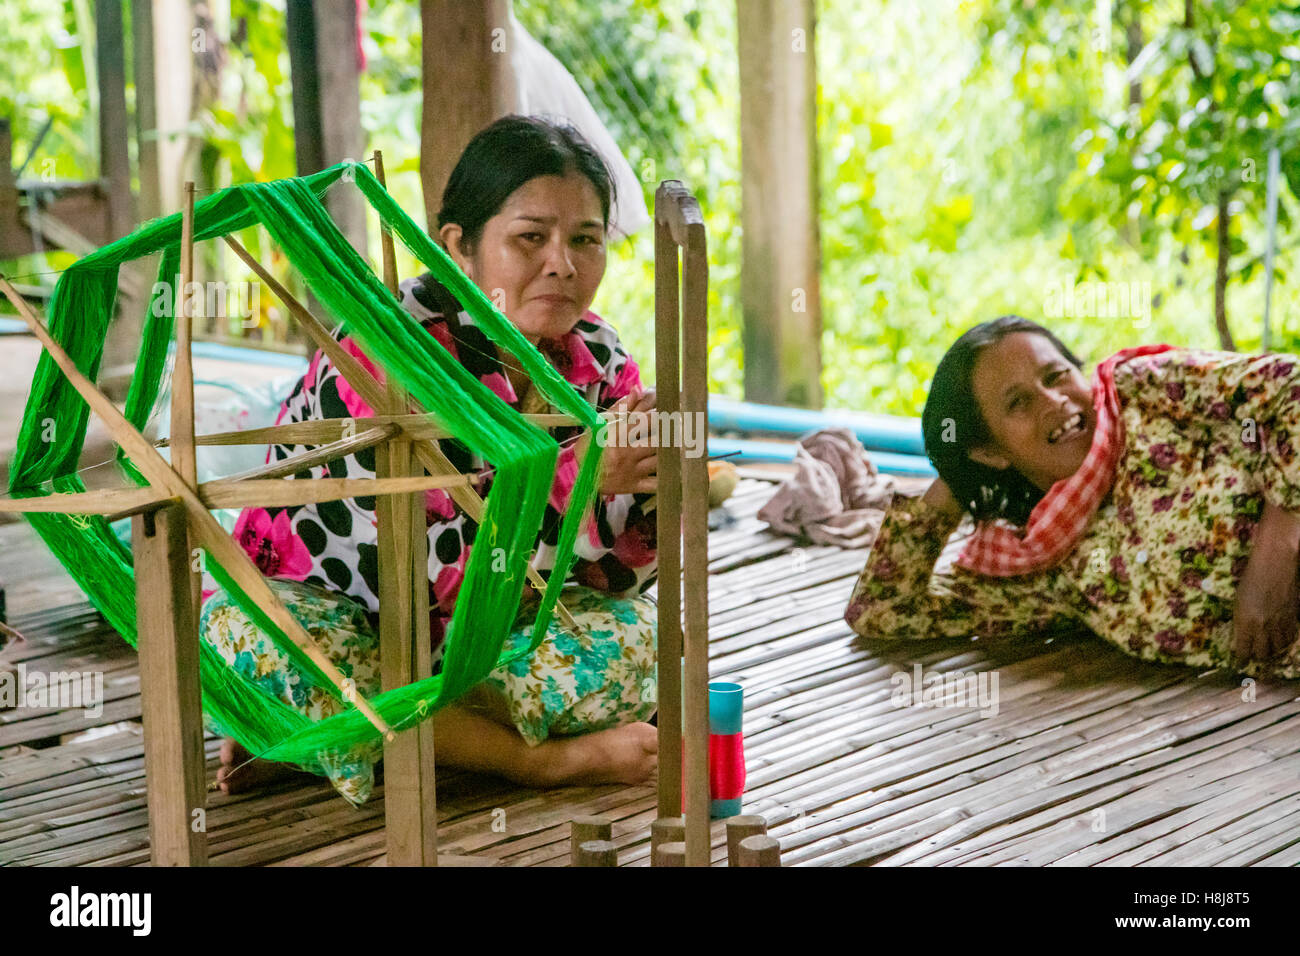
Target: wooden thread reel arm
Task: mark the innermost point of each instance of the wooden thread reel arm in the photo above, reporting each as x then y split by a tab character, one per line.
207	531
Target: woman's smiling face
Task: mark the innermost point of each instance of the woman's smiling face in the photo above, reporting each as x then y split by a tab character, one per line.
1037	406
541	257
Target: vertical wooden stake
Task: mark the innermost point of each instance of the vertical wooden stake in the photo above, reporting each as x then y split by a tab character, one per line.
759	851
670	854
740	828
668	520
169	689
665	830
585	830
695	528
405	654
596	853
182	424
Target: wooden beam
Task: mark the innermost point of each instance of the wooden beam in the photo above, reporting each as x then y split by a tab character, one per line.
211	535
182	417
695	534
13	242
174	65
405	652
780	289
113	501
327	101
668	509
146	108
284	493
169	689
467	83
417	426
300	24
114	154
320	456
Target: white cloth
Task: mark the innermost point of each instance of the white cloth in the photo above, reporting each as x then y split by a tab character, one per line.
543	87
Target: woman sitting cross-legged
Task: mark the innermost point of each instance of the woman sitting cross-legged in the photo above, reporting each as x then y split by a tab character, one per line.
525	215
1159	507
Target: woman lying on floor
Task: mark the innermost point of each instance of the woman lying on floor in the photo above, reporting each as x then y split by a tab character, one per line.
525	215
1160	507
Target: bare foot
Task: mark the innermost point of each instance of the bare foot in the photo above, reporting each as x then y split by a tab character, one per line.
236	775
627	754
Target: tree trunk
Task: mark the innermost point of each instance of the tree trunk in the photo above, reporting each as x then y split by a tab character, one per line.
1221	276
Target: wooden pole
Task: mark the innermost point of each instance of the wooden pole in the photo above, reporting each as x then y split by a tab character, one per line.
182	422
585	830
666	830
759	851
114	154
327	101
468	82
146	107
405	655
670	854
169	689
695	530
780	289
741	828
668	512
596	853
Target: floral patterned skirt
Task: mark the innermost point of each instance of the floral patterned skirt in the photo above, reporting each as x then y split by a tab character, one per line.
597	676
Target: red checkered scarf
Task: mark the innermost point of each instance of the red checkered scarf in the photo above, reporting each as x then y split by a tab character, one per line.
1058	521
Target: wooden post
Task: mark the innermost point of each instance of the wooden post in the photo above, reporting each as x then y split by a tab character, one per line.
666	830
695	533
596	853
114	155
468	83
174	68
327	101
405	652
780	290
759	851
668	515
169	688
741	828
12	242
123	344
182	421
585	830
679	224
146	108
670	854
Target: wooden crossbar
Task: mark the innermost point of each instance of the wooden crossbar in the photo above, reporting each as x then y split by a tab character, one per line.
418	426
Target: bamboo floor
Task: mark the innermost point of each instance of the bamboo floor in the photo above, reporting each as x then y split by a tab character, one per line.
1092	758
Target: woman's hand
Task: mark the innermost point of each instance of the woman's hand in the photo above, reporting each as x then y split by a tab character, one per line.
1268	596
630	468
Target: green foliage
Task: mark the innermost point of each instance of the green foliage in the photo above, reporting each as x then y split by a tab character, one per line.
976	157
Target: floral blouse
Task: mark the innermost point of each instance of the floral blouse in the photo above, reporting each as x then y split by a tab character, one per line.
1209	436
333	543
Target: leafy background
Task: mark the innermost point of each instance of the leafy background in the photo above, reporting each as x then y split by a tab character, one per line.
975	156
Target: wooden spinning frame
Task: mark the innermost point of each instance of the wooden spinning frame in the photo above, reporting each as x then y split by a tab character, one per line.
171	520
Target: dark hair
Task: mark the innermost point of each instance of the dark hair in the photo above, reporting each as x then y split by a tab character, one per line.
508	153
952	425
